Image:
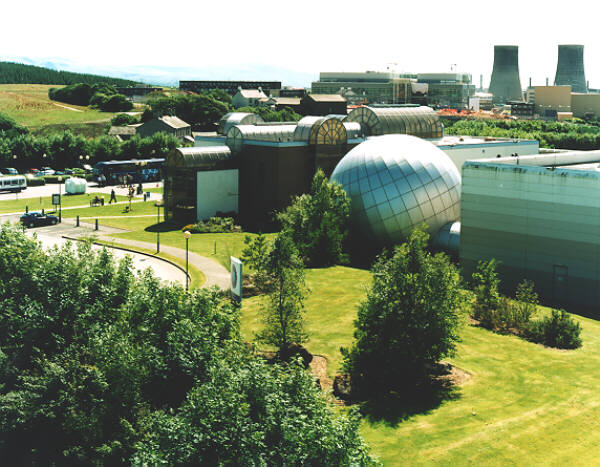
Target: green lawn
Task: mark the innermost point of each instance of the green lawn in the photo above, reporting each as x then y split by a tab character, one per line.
29	105
523	403
144	229
18	204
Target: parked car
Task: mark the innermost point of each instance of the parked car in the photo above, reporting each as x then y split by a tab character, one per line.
35	219
9	171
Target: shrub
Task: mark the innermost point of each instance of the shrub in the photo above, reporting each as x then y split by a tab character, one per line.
487	297
54	178
124	119
35	181
558	330
214	225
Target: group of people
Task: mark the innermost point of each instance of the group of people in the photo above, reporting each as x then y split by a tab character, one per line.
139	191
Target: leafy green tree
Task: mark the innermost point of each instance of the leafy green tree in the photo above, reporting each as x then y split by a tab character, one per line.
283	317
409	321
8	124
255	256
487	295
525	305
124	119
318	222
102	366
220	95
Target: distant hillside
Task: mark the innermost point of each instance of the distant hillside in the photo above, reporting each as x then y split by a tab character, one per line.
18	73
164	75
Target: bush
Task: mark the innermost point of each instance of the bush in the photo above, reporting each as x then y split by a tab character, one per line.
558	330
124	119
214	225
54	178
35	181
487	297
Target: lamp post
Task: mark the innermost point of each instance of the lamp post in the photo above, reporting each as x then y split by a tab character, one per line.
157	204
187	236
59	199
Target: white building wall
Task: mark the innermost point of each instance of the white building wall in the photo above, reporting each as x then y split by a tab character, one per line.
217	190
541	224
461	153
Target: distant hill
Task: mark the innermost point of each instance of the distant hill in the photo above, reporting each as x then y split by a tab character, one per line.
19	73
171	75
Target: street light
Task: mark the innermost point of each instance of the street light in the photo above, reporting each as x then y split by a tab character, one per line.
158	204
187	236
59	199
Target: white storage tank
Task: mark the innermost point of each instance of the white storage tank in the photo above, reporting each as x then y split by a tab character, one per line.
75	186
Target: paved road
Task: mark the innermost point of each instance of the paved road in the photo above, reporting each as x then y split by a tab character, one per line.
48	190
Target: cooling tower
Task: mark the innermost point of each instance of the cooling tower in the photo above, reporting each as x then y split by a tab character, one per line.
569	69
505	84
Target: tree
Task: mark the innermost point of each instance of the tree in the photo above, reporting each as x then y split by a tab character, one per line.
487	295
255	256
408	322
283	316
318	222
102	366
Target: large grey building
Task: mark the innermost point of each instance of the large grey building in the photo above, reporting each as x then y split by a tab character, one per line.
540	219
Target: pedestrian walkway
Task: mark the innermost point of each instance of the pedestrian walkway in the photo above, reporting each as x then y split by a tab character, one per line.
214	272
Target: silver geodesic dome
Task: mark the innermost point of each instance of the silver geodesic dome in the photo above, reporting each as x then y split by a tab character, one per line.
396	182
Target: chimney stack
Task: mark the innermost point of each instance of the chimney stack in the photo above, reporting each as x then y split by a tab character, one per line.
569	69
505	84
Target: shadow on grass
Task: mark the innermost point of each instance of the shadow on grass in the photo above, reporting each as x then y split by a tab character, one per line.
163	227
395	407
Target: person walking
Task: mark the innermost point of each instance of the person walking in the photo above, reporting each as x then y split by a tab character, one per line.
113	197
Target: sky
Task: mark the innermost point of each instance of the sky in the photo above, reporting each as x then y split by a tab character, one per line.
304	35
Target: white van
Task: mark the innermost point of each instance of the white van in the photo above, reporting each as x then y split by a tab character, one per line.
14	183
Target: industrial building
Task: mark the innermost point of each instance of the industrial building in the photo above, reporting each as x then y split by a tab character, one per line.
505	84
230	87
569	68
538	216
451	90
373	87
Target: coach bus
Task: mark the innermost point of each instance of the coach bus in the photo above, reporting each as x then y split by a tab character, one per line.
128	172
14	183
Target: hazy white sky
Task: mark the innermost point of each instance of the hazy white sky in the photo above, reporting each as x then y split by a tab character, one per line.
306	35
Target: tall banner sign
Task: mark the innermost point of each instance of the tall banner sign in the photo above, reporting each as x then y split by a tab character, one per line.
236	280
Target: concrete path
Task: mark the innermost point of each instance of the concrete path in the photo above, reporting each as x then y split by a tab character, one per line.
215	273
54	210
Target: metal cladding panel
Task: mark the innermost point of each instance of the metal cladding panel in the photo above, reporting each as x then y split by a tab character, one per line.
416	121
395	183
238	134
197	156
535	221
505	84
569	69
302	131
237	118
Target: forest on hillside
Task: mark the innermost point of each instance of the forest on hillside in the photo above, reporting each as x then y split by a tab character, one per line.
19	73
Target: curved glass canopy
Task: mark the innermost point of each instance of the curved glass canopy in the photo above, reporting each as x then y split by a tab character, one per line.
237	118
416	121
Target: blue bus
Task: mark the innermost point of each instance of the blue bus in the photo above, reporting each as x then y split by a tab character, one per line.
128	172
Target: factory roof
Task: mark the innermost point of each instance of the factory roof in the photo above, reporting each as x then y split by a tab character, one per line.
326	97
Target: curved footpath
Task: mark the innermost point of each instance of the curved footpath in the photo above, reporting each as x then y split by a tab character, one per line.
214	272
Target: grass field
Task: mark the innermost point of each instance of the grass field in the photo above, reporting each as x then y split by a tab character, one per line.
522	404
29	105
144	229
45	202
